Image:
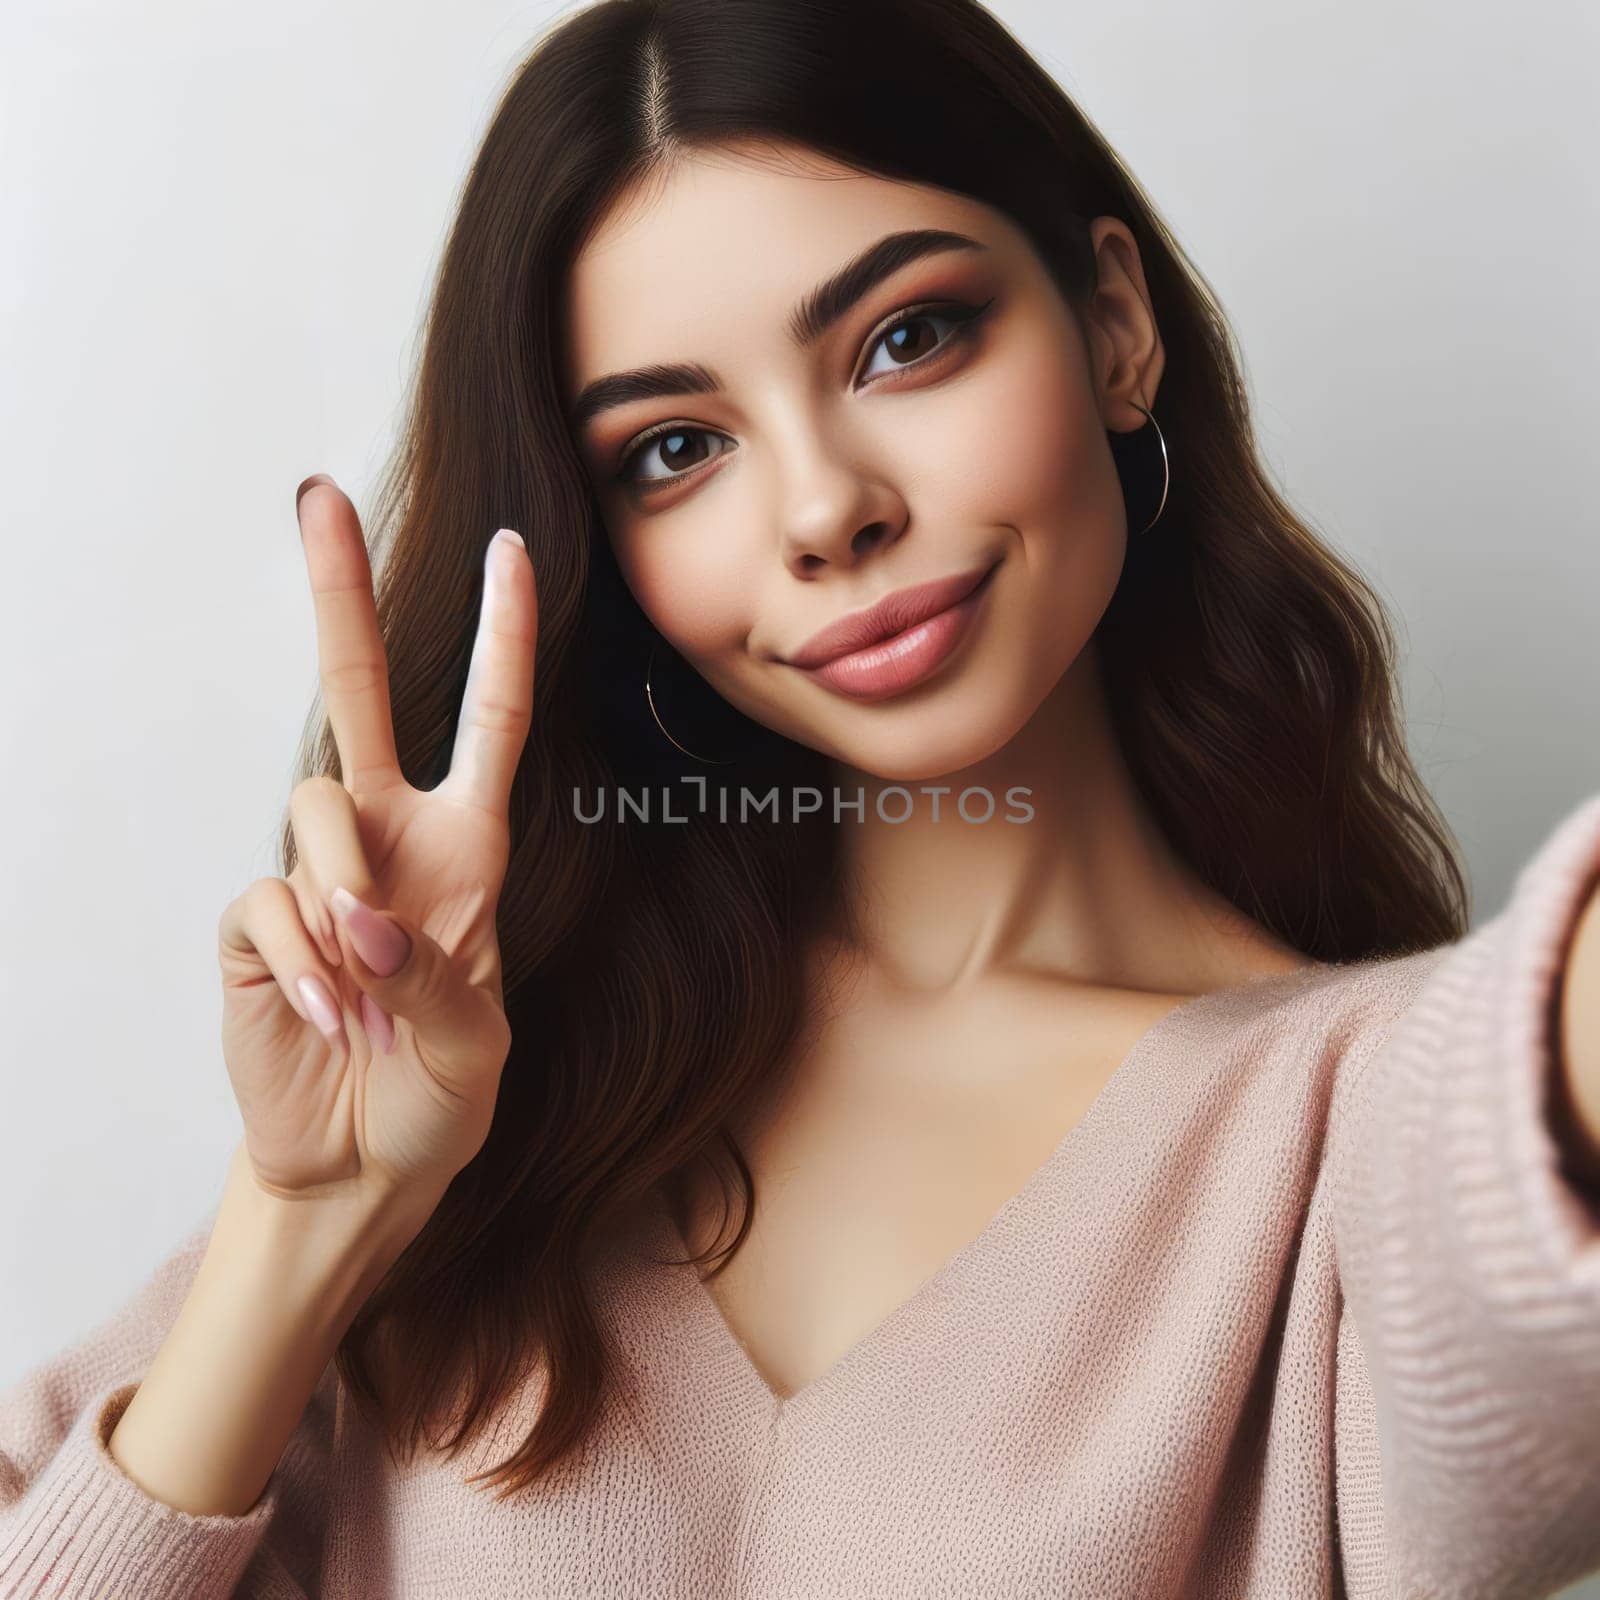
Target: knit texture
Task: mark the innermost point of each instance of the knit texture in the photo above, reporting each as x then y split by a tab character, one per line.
1303	1306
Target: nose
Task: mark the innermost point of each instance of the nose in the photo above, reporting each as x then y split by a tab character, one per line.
837	514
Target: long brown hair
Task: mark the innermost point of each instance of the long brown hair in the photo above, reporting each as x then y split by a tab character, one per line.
651	974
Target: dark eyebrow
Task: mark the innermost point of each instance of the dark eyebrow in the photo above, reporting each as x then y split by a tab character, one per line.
809	320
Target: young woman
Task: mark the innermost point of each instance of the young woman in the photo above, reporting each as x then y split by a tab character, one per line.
916	822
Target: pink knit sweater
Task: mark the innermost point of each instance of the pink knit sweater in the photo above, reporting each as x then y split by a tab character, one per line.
1302	1307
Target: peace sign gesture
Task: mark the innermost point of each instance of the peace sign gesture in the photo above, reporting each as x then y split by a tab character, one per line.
384	1078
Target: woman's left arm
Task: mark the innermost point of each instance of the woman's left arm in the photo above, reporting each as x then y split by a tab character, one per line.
1466	1210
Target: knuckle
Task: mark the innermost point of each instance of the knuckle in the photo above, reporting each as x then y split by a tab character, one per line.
370	780
500	714
431	983
354	677
318	786
261	894
252	913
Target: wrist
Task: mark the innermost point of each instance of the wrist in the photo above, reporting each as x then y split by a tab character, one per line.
328	1251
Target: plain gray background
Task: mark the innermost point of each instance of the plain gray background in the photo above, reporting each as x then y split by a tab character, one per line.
218	230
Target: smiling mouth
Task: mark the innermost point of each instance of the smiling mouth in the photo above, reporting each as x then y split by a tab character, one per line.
885	618
886	666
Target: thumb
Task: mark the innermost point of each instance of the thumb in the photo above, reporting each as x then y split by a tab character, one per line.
411	976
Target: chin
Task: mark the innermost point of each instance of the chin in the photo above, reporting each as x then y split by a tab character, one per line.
926	745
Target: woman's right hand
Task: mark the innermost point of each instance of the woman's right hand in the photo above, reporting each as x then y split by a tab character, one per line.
388	1086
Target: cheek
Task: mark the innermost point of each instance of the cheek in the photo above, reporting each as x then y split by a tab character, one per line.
1029	450
694	578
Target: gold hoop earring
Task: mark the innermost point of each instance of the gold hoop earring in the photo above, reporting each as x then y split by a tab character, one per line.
710	761
1166	469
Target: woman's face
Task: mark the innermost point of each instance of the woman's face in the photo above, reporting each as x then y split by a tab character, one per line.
945	426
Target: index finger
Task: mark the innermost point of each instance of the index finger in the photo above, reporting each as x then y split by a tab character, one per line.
350	656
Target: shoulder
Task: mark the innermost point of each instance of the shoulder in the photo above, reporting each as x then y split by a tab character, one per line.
1361	1002
1347	1001
1295	1038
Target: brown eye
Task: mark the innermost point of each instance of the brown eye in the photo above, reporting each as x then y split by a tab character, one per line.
909	342
677	447
914	337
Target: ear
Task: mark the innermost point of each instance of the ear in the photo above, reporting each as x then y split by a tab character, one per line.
1126	356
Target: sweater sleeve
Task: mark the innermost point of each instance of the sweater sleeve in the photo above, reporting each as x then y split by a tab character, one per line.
73	1524
1469	1262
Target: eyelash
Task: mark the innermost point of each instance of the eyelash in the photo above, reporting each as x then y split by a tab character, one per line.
964	315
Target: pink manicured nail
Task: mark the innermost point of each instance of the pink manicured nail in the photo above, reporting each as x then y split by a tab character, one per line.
378	942
321	1007
377	1022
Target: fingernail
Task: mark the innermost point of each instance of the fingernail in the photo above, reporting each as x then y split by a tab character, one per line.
379	1026
321	1007
509	536
383	946
315	478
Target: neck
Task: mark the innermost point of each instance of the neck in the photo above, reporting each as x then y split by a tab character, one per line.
1086	889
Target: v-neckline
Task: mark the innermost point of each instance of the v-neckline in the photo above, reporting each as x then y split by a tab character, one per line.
706	1310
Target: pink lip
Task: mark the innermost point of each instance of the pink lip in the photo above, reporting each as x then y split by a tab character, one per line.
896	643
886	617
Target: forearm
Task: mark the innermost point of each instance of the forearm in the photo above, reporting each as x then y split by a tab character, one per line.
280	1283
1575	1091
